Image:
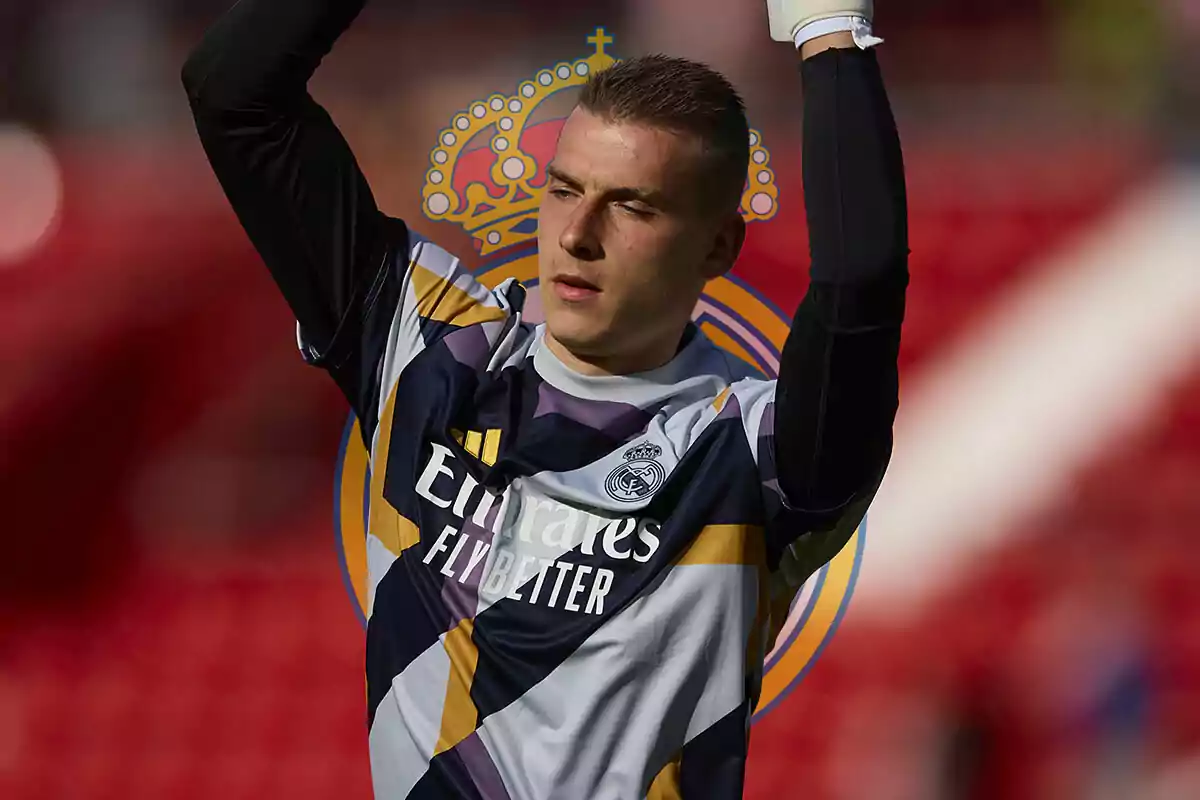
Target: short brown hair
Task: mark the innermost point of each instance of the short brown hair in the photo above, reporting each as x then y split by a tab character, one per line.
681	96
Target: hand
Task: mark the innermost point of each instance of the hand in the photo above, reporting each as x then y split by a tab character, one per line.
788	16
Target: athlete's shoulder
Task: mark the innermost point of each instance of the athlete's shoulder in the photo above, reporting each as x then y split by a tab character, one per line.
739	391
443	289
728	371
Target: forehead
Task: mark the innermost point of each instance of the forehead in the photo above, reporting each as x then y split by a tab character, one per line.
609	154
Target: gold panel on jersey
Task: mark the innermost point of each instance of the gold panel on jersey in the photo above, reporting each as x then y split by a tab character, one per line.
726	544
459	715
439	300
665	785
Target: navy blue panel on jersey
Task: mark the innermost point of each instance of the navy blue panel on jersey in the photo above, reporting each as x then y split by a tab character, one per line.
714	763
407	618
520	642
465	772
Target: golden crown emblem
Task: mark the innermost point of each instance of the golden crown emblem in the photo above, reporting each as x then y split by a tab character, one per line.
505	213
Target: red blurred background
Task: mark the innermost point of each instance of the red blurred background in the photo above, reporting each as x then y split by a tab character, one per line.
172	615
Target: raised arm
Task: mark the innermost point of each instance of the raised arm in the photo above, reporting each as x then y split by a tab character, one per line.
289	173
837	393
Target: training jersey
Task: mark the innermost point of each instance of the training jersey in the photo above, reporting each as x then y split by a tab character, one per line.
572	579
569	594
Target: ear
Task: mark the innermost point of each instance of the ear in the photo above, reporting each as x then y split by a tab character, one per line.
726	245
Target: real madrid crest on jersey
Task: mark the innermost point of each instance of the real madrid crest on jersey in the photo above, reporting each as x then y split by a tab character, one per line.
640	475
494	191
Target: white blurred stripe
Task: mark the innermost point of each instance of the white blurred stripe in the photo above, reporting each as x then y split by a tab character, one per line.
1043	384
1179	779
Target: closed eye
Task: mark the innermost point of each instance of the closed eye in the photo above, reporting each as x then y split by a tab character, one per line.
636	210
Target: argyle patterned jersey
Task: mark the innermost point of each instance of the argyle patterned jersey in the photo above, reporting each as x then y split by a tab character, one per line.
569	586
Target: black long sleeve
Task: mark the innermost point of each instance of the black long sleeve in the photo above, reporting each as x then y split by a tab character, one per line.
289	173
837	393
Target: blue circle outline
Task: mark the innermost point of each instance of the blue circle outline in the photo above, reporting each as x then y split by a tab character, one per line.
808	609
347	432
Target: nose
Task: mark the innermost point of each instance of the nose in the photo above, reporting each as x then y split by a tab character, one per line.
580	237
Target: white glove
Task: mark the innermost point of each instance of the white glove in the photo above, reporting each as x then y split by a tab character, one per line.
787	17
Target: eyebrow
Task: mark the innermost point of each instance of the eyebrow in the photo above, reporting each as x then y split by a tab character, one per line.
649	196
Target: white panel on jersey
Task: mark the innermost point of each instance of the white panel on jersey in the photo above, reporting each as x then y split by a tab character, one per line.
681	645
753	396
379	561
402	746
681	392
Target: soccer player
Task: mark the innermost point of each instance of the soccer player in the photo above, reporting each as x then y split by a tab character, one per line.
581	532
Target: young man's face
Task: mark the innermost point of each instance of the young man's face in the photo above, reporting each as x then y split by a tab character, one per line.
627	239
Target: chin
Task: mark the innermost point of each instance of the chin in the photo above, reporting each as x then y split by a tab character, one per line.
577	335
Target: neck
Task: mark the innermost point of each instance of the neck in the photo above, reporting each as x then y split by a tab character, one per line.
622	364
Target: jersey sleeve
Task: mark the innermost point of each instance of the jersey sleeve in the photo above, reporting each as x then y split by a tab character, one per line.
800	538
368	294
291	177
822	433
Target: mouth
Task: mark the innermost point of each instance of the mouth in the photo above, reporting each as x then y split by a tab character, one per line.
574	289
